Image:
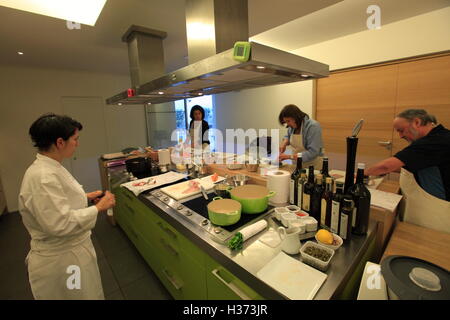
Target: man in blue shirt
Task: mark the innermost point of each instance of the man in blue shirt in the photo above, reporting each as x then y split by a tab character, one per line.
427	156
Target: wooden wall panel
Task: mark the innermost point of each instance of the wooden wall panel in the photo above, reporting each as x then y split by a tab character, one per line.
424	84
344	98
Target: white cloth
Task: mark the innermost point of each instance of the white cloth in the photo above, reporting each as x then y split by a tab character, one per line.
55	211
420	207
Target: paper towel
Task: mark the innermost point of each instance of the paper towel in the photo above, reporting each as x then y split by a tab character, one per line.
278	181
164	157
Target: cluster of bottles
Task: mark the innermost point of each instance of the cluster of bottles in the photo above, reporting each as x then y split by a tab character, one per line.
340	211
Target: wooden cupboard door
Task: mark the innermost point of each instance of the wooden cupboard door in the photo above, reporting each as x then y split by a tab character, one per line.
344	98
424	84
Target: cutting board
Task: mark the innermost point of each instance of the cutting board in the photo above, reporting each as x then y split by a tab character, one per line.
178	191
291	277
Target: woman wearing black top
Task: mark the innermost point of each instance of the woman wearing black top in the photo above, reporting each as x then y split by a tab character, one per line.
197	117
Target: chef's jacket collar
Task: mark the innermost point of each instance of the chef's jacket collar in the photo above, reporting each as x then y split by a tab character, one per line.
48	160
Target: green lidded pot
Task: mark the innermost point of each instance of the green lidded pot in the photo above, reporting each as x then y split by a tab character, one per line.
224	212
253	198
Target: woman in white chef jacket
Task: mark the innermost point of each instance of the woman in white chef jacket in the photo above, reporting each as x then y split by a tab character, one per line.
62	263
304	135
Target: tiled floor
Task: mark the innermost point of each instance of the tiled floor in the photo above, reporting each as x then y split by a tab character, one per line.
125	274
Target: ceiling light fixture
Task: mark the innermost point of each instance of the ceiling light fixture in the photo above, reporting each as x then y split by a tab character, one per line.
20	53
81	11
260	67
160	92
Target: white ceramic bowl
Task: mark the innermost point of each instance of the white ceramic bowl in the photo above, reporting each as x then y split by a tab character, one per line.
287	217
280	210
338	240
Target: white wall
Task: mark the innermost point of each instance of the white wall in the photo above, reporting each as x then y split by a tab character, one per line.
259	108
26	93
423	34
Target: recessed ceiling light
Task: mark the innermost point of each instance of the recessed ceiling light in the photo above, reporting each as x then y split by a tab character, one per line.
260	67
20	53
305	76
160	92
200	94
81	11
119	104
149	103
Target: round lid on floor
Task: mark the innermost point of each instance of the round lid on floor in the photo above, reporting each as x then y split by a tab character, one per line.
415	279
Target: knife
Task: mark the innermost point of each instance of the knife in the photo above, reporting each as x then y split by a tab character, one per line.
205	195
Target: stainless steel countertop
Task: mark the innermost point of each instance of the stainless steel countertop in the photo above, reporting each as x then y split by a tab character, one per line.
255	255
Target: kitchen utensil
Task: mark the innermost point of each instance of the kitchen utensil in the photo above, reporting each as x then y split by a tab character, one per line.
251	167
222	190
409	278
290	240
139	167
357	128
314	261
337	242
205	195
161	179
224	212
253	198
292	278
240	180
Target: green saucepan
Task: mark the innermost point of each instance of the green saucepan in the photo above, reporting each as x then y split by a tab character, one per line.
253	198
224	212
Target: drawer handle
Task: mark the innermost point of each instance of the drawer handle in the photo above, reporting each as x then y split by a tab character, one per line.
169	247
172	280
231	285
166	230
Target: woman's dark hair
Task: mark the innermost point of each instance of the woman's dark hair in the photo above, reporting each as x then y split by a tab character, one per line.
197	107
49	127
292	111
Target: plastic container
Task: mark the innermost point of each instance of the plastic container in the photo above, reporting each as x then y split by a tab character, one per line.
338	240
311	224
314	262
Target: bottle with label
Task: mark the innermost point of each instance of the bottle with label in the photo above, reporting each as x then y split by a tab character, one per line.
325	207
300	186
293	186
361	197
316	198
336	204
345	228
308	190
324	170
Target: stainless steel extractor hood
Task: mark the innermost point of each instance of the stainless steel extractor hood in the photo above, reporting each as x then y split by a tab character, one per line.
221	72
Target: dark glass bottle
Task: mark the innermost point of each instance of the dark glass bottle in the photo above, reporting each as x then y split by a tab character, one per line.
345	228
300	186
293	185
361	198
308	190
336	204
316	198
324	170
325	207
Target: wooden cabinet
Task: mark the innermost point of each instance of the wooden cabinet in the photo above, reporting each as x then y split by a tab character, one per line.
184	269
377	94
